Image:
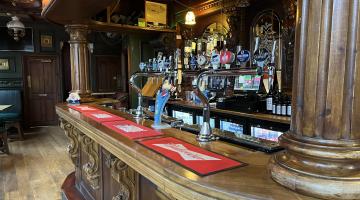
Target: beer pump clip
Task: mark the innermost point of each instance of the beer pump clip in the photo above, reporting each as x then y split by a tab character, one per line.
162	97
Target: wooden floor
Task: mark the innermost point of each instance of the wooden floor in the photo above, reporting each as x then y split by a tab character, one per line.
36	167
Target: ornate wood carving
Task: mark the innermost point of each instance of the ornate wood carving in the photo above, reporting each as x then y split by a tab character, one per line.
216	5
79	56
73	134
124	175
91	168
123	194
322	156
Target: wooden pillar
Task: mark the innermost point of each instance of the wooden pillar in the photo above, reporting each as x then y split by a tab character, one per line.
322	156
79	59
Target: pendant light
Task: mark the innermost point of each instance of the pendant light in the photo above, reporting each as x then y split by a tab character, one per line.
16	28
190	18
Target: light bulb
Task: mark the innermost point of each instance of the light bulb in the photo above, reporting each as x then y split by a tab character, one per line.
190	18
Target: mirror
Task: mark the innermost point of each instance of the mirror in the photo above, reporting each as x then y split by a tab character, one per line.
213	37
266	28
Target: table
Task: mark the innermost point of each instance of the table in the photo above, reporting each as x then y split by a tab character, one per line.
4	107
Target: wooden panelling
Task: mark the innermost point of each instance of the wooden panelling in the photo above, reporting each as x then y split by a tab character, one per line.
108	73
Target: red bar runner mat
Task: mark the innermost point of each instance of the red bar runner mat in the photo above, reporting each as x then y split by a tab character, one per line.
83	108
102	116
196	159
131	130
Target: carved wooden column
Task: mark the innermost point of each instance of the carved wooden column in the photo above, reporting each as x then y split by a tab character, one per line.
322	156
79	55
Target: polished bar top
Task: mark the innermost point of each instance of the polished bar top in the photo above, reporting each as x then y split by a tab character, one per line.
249	182
261	116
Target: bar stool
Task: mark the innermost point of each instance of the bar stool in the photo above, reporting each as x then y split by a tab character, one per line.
4	147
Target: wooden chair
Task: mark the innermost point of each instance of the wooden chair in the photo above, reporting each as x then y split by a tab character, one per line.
4	147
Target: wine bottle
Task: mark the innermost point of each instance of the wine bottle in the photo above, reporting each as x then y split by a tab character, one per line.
288	107
274	104
278	105
269	100
283	106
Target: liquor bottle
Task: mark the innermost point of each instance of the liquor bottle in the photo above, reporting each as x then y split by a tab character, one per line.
193	62
154	64
278	104
274	105
288	107
269	100
149	65
283	106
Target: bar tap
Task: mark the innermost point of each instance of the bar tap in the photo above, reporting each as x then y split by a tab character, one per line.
205	134
139	113
139	110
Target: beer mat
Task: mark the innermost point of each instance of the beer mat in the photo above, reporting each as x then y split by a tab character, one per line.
198	160
131	130
102	116
83	108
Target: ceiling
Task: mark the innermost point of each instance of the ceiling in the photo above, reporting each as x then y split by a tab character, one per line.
21	8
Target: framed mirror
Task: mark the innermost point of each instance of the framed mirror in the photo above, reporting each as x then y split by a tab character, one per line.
266	42
214	36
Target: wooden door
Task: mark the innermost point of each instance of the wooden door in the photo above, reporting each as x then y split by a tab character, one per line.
41	90
108	73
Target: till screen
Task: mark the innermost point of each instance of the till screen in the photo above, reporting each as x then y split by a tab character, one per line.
247	82
186	117
265	134
231	127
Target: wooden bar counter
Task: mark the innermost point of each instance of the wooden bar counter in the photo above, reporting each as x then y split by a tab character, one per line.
110	166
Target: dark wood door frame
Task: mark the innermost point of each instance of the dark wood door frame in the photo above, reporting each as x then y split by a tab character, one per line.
58	83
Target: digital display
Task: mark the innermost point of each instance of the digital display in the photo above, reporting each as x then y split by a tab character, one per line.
200	120
265	134
247	82
186	117
231	127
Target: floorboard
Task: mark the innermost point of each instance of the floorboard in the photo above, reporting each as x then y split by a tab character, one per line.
36	167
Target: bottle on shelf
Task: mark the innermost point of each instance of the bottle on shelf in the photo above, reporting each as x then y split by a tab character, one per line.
149	65
278	104
288	106
269	100
193	62
284	106
274	104
154	64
